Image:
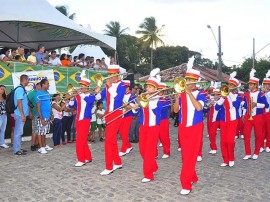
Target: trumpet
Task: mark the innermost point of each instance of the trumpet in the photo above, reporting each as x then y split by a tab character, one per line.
225	90
250	109
99	79
70	92
179	84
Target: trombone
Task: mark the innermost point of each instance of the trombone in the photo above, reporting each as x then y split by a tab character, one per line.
99	79
225	90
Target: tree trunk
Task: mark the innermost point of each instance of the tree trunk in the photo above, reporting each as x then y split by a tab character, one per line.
151	59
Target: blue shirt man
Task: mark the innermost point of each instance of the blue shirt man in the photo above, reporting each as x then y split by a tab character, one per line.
20	94
43	97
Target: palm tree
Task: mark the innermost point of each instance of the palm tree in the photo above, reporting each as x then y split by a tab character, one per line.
64	10
150	35
114	29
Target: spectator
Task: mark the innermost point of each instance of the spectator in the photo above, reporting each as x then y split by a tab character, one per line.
66	122
93	126
54	61
20	53
64	60
75	59
112	61
103	64
32	99
4	53
97	64
81	61
46	61
17	58
20	114
13	54
40	55
57	121
26	53
73	126
32	57
100	121
45	115
3	116
134	129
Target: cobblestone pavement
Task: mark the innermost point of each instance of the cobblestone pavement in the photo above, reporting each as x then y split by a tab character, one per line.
53	177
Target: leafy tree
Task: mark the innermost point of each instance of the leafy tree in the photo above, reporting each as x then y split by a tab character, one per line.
151	35
133	56
64	10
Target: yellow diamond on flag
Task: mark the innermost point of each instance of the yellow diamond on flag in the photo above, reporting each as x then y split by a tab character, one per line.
76	77
4	73
58	76
28	69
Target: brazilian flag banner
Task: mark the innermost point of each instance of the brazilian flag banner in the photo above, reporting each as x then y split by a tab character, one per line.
62	75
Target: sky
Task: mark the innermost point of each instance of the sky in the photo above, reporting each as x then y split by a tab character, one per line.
186	23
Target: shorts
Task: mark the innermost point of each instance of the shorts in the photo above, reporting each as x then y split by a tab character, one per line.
93	126
101	126
35	125
43	130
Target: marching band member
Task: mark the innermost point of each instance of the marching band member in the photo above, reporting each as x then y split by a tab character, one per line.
126	120
149	127
190	107
229	114
83	103
114	93
213	121
255	101
266	115
164	123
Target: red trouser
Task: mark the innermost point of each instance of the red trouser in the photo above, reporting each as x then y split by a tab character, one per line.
266	129
248	124
148	140
240	127
111	147
212	132
82	149
191	138
164	136
227	139
201	142
124	133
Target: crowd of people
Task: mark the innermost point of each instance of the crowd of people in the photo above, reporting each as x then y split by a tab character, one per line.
44	57
142	114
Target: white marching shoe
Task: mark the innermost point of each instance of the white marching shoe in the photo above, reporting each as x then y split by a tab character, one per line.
231	163
160	145
247	157
128	150
213	152
165	156
255	156
106	172
122	154
184	192
179	149
199	158
261	150
115	167
267	149
79	164
242	136
144	180
223	165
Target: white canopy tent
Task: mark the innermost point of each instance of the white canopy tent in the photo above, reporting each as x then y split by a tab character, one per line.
33	22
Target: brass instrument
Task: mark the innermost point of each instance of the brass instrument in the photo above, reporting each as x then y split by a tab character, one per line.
179	84
250	109
70	92
224	90
99	79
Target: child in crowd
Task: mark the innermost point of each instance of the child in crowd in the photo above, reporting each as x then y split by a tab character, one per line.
100	121
93	124
32	57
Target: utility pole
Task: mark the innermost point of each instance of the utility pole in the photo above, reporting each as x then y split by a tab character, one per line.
219	76
253	55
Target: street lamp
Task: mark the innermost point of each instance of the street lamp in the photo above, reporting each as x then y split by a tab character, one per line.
219	74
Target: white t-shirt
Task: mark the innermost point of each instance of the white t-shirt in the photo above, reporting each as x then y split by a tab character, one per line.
55	61
101	112
67	113
2	56
94	117
56	114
